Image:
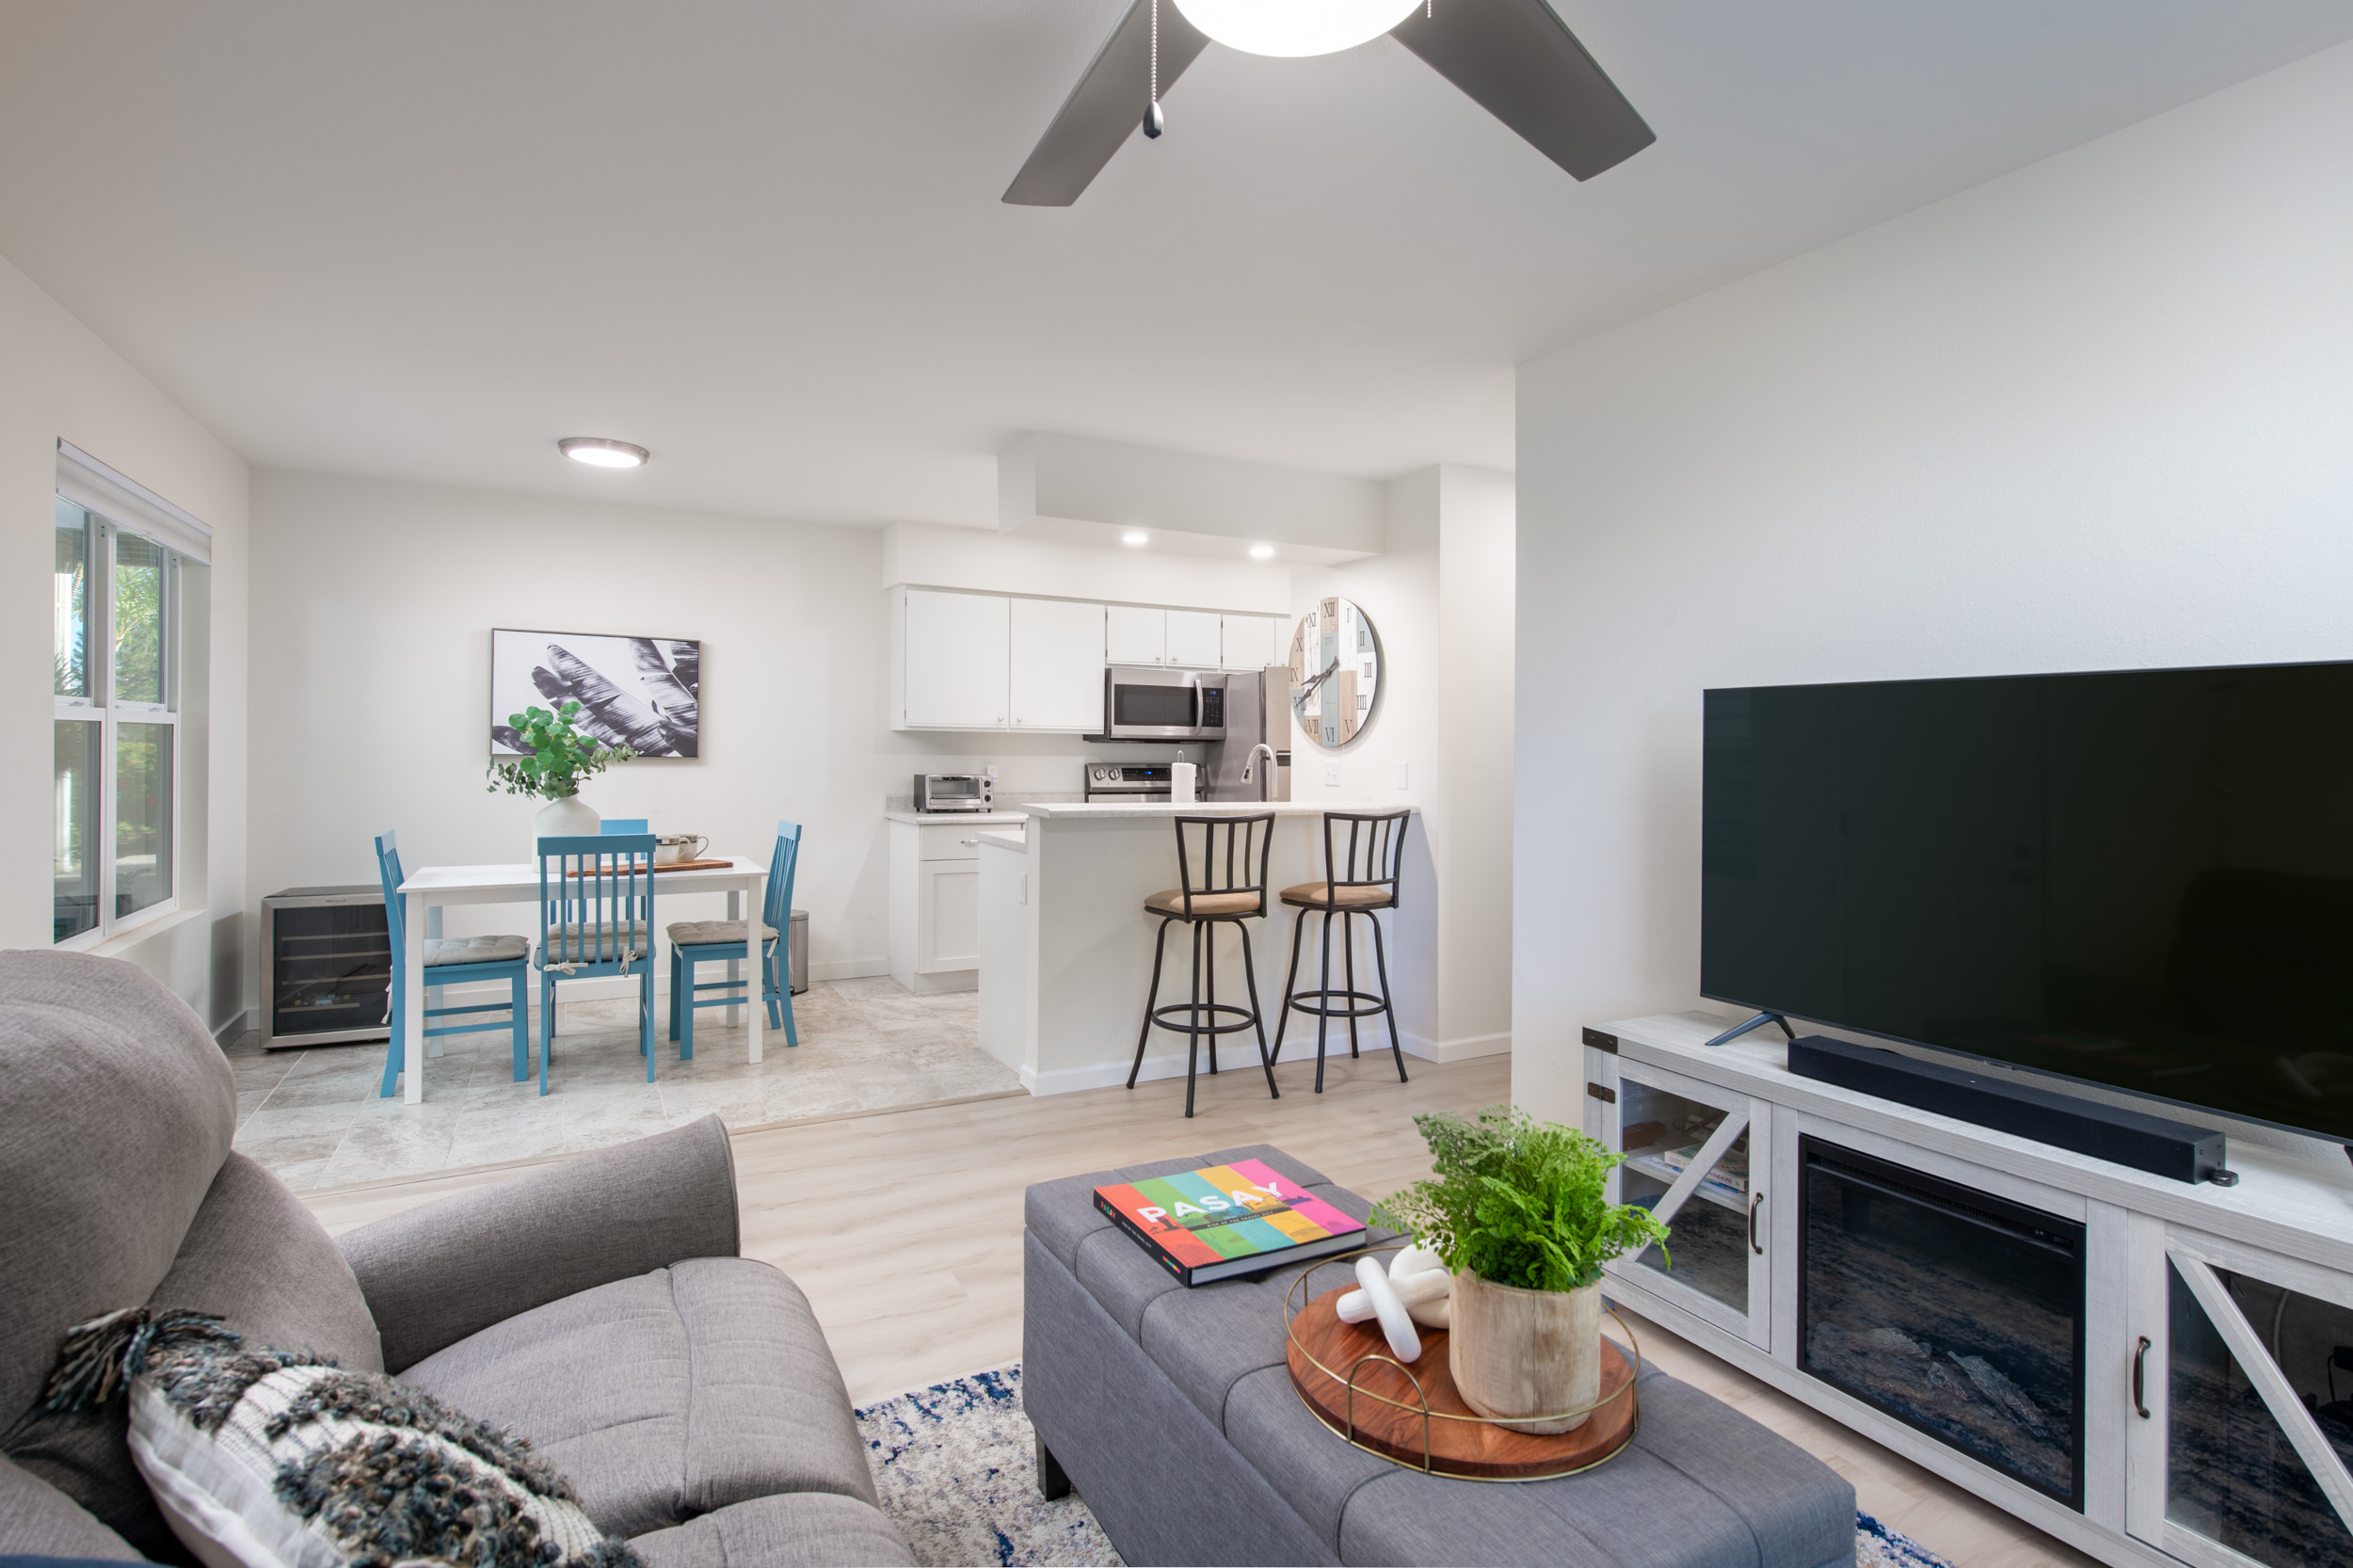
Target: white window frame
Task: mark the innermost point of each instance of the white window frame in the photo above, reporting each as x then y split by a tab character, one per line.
102	705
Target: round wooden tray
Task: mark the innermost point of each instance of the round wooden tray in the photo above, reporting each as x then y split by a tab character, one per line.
1428	1427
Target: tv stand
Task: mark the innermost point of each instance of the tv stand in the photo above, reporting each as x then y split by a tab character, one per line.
2186	1286
1759	1021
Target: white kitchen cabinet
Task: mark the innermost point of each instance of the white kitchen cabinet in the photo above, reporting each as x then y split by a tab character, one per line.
948	917
1134	635
954	661
1057	666
1196	639
935	900
1250	642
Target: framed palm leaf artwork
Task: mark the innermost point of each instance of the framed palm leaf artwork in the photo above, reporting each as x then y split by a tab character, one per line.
645	693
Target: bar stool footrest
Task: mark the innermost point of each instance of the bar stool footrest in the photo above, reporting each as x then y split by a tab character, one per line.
1183	1024
1305	1001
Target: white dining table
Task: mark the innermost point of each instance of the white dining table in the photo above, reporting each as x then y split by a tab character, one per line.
429	888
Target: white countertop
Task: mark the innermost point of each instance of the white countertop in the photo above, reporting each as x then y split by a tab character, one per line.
1104	810
1014	839
961	818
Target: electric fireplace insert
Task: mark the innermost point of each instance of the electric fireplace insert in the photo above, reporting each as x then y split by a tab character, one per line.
1956	1312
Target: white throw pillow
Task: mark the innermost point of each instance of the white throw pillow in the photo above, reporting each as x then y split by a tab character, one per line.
270	1458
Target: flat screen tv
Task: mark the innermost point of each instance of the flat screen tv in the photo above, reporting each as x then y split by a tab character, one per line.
2141	879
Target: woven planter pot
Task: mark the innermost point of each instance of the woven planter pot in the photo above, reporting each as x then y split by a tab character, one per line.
1526	1353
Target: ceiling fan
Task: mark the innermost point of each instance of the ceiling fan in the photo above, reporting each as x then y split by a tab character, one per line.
1515	58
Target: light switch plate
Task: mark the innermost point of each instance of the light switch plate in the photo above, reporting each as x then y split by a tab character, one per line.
1331	776
1021	888
1400	777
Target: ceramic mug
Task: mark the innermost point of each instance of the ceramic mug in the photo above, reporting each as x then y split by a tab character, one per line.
671	848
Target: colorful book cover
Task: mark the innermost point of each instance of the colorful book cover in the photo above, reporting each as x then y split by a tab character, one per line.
1226	1220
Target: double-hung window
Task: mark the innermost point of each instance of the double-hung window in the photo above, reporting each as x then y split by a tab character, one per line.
116	675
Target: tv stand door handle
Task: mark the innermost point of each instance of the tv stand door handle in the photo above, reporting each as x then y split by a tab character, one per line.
2141	1379
1755	1204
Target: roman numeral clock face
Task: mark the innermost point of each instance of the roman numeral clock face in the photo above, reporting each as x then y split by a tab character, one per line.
1335	673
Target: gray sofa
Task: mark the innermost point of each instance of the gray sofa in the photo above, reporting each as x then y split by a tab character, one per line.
1172	1412
597	1307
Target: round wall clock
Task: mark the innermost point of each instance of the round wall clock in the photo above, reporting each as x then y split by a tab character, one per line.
1335	673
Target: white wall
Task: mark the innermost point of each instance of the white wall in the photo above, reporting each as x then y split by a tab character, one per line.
58	380
372	641
1439	596
2097	413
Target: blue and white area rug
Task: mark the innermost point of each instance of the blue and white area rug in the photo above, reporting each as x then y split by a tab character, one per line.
956	1466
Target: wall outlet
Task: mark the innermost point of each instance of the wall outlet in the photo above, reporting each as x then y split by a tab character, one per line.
1400	777
990	771
1331	776
1021	888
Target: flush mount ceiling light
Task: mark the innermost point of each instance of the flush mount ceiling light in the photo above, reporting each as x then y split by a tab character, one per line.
1296	27
598	452
1262	552
1135	536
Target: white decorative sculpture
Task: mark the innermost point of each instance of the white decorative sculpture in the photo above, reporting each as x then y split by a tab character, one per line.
1396	1324
1418	1281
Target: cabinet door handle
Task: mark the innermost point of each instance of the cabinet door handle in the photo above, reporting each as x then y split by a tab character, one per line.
2141	1379
1755	1204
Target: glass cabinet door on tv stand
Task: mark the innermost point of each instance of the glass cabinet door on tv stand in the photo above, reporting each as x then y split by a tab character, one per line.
1691	1149
2239	1446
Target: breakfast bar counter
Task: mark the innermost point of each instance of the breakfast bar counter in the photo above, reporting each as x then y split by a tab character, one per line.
1066	946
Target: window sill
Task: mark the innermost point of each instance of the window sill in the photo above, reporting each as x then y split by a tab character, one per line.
115	946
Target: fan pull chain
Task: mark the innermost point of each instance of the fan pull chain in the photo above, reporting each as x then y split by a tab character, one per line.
1153	124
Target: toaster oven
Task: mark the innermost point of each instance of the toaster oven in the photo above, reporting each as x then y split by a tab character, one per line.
953	791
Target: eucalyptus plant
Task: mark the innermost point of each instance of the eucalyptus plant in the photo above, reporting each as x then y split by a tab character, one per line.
1518	1201
559	757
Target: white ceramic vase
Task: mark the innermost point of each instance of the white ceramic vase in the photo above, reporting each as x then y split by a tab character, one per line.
571	817
1526	1353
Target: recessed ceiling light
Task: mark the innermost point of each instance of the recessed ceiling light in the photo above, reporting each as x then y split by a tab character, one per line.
1262	552
597	452
1135	535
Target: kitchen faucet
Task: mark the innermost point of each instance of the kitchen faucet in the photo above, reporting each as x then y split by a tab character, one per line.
1266	791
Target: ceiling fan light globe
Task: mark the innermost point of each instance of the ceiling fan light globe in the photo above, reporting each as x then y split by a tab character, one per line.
1296	27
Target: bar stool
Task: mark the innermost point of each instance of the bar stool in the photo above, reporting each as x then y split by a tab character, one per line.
1234	892
1359	882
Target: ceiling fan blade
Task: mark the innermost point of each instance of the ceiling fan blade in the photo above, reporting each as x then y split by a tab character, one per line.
1518	61
1107	105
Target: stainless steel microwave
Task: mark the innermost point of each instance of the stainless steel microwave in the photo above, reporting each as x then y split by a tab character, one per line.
1144	702
953	791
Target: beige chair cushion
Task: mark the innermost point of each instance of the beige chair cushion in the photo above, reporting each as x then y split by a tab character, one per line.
1172	903
474	950
586	944
1317	895
688	933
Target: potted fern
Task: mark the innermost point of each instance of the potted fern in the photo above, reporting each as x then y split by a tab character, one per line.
1518	1210
557	758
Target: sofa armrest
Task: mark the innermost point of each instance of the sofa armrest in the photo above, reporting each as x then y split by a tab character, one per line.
436	1275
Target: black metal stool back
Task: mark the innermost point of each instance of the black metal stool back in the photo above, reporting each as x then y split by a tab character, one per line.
1363	854
1221	867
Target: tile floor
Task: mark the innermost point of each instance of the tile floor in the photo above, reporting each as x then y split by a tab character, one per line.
313	1115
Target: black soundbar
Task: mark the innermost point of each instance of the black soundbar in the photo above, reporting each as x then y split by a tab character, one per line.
2144	1143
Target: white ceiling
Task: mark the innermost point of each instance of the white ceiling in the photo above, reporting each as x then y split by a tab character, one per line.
423	239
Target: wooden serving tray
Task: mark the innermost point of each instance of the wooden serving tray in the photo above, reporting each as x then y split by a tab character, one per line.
672	866
1469	1445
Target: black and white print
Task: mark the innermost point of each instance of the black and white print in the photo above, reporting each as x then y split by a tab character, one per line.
645	693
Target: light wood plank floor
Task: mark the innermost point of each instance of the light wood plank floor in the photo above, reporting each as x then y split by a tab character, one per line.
841	1203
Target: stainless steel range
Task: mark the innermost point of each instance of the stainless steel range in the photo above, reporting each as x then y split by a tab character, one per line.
1134	781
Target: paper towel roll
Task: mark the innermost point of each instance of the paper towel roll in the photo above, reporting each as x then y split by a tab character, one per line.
1183	783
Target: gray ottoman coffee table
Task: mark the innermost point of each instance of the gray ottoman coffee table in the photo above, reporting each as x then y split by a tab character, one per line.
1172	1414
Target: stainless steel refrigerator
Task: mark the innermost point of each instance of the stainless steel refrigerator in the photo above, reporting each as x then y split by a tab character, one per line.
1257	712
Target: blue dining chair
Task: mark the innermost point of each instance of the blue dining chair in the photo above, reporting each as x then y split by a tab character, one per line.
694	942
624	824
451	961
596	918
